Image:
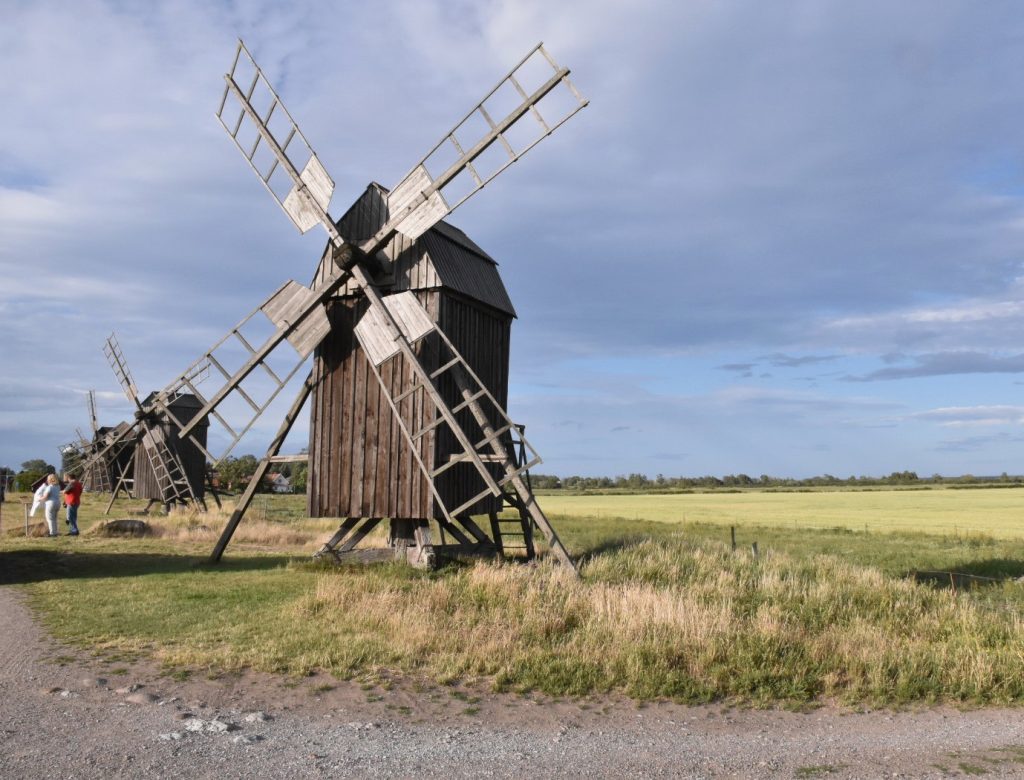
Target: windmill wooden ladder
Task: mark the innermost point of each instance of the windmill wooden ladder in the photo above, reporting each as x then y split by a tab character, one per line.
169	471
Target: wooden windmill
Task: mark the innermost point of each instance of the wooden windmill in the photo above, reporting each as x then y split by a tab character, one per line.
75	454
161	466
409	384
98	478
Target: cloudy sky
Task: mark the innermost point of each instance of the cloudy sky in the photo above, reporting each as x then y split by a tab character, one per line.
784	238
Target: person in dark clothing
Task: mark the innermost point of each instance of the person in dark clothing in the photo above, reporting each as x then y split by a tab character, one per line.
72	500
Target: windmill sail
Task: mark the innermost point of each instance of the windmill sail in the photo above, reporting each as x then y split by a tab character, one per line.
421	200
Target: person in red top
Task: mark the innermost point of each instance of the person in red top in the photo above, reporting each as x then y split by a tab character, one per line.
72	500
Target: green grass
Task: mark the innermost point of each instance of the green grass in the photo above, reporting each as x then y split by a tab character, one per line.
817	770
992	512
661	610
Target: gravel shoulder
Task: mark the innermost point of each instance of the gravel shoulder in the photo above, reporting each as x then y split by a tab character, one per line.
70	716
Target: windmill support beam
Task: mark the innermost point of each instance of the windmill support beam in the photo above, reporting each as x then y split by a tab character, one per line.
261	469
523	491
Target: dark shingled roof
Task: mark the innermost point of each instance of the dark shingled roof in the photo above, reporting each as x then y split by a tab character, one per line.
443	257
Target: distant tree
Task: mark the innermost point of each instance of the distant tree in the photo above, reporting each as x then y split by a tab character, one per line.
40	465
32	471
545	481
236	472
300	477
902	477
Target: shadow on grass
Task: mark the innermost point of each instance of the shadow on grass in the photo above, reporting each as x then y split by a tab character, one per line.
607	546
19	567
975	574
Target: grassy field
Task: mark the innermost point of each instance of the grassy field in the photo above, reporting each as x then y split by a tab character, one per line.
994	512
662	609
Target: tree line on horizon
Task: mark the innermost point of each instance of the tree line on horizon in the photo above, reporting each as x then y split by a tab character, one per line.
235	472
637	481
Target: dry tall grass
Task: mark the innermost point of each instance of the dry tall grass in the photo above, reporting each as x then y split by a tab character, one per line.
677	620
188	524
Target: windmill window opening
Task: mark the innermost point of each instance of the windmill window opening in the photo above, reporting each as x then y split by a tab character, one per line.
282	362
247	136
264	159
504	101
257	330
459	188
232	114
259	387
533	73
557	106
442	158
473	129
523	134
244	72
262	100
280	183
489	162
281	127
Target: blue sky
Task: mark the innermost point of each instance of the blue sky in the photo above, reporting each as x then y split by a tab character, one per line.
785	238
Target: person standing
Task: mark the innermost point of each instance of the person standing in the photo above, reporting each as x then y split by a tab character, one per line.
38	498
72	500
49	495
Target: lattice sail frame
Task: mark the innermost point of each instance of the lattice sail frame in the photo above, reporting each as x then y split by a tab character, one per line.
286	310
285	136
421	199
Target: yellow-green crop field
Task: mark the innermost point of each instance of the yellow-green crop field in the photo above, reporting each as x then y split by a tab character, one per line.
997	512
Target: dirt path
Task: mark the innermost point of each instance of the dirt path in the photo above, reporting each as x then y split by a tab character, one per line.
61	717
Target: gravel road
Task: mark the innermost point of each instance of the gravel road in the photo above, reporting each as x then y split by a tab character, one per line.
81	718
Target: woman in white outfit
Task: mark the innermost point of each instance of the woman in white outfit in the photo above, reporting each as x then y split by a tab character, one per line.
38	498
51	502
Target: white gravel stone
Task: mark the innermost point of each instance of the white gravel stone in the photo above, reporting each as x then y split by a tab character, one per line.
141	698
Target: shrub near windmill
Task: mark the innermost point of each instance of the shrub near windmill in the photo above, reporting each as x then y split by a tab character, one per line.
409	322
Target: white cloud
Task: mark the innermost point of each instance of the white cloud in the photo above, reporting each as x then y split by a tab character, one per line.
965	416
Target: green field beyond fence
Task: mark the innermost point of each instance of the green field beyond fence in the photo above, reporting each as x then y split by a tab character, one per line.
993	512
